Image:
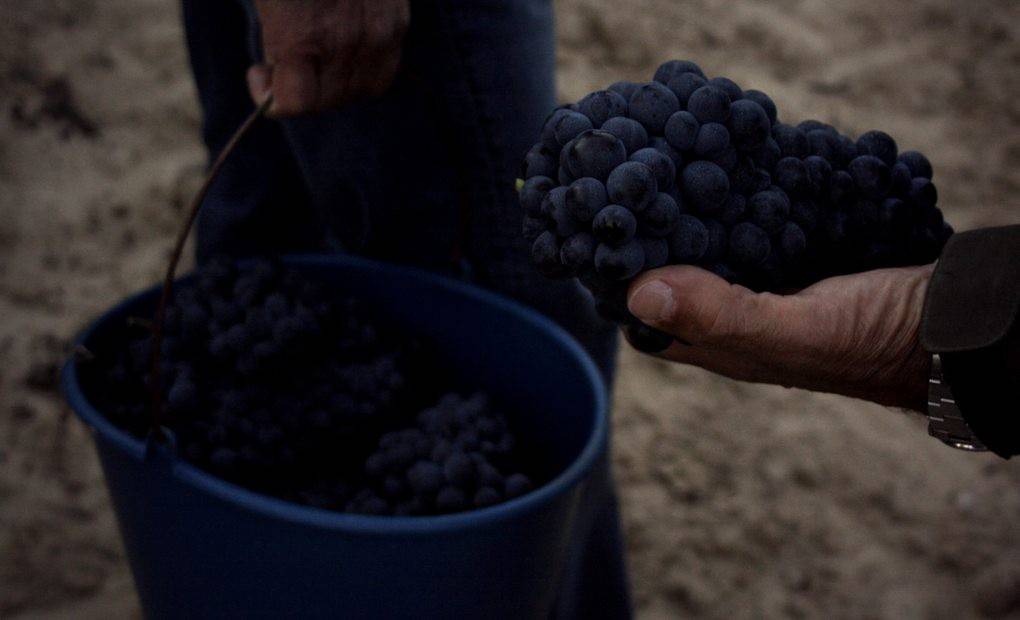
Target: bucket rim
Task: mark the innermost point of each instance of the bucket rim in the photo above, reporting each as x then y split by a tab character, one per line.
251	501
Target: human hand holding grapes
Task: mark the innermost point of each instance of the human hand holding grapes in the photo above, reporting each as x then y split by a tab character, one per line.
855	335
320	54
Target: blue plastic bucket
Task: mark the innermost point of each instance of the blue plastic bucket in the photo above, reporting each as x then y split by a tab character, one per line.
202	547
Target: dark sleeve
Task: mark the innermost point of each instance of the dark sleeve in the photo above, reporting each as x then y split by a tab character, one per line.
970	319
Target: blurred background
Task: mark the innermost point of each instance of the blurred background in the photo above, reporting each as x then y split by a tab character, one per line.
738	500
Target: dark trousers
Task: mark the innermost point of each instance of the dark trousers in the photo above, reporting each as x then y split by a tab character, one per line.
423	176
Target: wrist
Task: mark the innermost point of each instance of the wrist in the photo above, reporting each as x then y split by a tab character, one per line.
917	371
908	362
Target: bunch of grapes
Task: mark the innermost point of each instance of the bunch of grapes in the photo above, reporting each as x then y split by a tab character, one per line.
456	456
271	382
690	170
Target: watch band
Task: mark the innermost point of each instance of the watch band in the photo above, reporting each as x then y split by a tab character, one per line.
945	421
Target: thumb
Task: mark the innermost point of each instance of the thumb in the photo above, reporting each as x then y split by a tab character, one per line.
699	307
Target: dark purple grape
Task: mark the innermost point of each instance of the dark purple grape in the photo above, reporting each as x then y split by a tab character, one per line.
539	162
894	217
651	105
183	395
731	211
595	153
555	199
629	131
931	217
749	245
673	68
661	166
718	238
749	124
459	470
791	140
564	224
765	102
425	477
917	163
842	189
812	125
871	175
578	251
846	151
656	252
564	160
614	225
709	104
688	241
450	499
548	138
681	130
659	144
584	198
545	253
769	210
878	144
728	86
632	184
647	339
900	180
763	180
619	263
705	186
791	175
819	171
727	160
565	177
712	141
533	192
791	242
602	105
923	193
805	214
517	485
624	89
823	144
684	85
862	218
743	177
660	218
767	155
570	125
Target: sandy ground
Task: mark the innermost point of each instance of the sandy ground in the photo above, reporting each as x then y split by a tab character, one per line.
738	500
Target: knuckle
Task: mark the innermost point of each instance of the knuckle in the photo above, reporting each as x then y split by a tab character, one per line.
733	318
715	325
756	321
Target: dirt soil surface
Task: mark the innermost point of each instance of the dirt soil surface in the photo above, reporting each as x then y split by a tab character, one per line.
739	500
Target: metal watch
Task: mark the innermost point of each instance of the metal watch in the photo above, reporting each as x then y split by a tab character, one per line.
945	421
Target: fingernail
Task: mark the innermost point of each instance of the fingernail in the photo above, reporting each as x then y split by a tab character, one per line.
652	302
257	83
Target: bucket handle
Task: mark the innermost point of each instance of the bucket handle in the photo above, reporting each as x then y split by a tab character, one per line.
156	432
